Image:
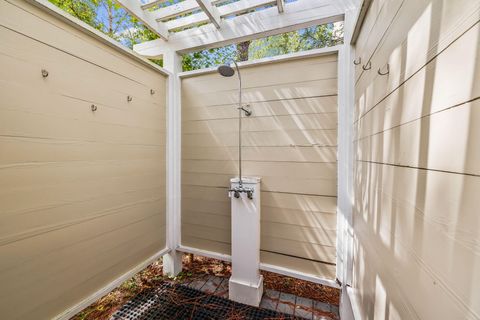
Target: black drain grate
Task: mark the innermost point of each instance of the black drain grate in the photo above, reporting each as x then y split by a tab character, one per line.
176	302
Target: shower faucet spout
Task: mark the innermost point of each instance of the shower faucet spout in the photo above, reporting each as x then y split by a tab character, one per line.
241	189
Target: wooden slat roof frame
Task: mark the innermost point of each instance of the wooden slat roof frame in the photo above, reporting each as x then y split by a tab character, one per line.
200	24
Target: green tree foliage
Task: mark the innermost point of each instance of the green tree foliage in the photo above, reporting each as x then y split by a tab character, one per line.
295	41
208	58
83	10
108	17
306	39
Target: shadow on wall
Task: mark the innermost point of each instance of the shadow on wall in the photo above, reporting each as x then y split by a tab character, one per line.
417	170
290	141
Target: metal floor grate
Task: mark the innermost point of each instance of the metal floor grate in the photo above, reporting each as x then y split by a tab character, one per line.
173	301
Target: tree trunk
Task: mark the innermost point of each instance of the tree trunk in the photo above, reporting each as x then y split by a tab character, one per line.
242	50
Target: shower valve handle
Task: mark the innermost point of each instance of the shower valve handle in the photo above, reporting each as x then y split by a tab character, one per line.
238	190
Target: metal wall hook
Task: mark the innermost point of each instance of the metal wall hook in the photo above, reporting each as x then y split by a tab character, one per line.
355	62
152	92
384	73
93	107
129	98
248	113
367	66
44	73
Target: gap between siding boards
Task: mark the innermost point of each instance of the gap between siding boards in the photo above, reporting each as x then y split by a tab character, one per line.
266	191
413	74
419	168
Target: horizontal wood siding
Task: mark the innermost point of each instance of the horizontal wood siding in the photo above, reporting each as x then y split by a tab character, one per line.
417	176
82	197
290	142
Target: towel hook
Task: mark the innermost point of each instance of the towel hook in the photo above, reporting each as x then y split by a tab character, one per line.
384	73
367	66
355	62
129	98
93	107
152	92
44	73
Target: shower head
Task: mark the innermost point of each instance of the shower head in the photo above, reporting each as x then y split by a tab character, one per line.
226	70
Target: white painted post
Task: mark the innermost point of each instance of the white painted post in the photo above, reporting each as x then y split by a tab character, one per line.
346	102
246	282
172	262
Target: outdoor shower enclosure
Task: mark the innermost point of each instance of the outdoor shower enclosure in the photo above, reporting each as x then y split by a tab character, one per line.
289	141
368	154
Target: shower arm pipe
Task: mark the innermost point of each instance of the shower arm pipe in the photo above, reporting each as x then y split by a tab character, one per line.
240	109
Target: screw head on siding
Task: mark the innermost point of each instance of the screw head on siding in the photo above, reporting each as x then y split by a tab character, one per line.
94	108
129	98
44	73
152	92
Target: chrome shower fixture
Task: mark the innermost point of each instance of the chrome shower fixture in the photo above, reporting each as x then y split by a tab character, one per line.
238	190
226	70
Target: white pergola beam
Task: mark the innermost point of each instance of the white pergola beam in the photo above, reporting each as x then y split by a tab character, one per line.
175	10
134	8
297	15
280	6
211	11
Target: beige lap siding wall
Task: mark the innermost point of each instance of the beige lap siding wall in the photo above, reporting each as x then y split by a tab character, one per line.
416	220
82	193
289	141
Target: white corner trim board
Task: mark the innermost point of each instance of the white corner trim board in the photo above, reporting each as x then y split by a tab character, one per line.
67	314
173	261
353	297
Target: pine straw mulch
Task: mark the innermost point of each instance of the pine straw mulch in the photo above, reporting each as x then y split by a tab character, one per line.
174	301
196	267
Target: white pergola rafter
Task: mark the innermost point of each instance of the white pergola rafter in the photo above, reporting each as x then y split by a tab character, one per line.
136	10
280	6
211	11
176	18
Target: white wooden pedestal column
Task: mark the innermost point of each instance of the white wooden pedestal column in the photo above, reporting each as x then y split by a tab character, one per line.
246	283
